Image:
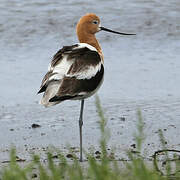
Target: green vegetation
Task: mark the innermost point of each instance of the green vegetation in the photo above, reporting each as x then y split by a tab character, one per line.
106	168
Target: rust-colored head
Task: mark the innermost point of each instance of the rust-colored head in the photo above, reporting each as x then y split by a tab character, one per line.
86	28
88	24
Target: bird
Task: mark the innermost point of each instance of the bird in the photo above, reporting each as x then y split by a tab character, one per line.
76	72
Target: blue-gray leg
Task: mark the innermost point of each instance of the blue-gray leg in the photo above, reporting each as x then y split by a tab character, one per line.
80	127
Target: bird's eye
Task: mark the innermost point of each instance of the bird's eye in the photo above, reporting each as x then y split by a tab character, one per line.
95	22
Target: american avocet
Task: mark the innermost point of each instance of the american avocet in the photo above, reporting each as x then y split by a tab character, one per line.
76	72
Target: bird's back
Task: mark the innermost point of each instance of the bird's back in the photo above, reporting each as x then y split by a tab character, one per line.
75	72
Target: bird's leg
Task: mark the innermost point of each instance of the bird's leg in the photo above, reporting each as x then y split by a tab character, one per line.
80	127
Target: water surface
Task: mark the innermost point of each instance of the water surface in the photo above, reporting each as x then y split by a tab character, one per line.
141	71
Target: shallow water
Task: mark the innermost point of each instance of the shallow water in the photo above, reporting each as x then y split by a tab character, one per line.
141	71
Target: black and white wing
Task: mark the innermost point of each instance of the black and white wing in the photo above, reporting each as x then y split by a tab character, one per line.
76	72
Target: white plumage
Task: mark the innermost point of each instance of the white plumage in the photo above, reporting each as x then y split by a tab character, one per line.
86	73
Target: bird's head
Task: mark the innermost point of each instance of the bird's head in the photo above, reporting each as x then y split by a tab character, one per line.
90	24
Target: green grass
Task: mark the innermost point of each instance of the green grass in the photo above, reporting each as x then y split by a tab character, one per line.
103	169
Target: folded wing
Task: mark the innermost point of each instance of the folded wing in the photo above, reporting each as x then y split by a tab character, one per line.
75	72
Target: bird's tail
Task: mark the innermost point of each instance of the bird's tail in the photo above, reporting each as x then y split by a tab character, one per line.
50	92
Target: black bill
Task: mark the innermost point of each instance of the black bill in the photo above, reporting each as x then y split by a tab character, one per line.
109	30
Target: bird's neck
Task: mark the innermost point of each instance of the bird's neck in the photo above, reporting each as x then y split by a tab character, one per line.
90	39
